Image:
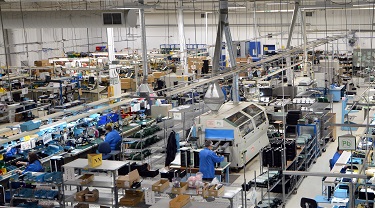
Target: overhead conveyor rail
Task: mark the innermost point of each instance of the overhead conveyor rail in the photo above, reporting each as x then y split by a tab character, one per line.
242	67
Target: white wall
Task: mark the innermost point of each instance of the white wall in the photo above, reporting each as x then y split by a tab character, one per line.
163	29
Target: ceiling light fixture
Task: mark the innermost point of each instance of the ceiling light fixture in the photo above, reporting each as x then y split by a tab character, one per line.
237	7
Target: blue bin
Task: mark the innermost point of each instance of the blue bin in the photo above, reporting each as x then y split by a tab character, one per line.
112	117
102	120
30	125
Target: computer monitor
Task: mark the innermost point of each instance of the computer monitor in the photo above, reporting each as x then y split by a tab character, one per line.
91	80
48	78
265	92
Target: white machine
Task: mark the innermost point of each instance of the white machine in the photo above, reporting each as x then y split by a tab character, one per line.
244	126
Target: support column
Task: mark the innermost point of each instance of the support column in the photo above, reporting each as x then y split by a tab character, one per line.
181	32
113	74
40	40
304	34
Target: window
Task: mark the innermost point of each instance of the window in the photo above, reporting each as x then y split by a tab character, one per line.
246	128
252	110
259	119
237	118
112	18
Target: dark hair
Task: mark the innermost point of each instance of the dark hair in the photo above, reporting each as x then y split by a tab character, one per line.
108	127
338	149
33	157
208	143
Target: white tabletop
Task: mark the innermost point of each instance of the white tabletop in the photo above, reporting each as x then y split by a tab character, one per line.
344	158
106	165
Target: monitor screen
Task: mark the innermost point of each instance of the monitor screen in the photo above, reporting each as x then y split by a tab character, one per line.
265	92
91	80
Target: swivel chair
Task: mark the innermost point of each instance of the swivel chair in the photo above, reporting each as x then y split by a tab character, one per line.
105	149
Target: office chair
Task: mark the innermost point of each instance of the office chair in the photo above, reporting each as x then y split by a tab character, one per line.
105	149
330	161
117	150
308	203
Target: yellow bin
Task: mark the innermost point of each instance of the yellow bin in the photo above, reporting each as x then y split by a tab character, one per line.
94	160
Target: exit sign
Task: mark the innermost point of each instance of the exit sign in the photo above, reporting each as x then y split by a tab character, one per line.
347	143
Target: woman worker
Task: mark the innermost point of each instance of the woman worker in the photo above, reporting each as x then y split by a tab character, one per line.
34	165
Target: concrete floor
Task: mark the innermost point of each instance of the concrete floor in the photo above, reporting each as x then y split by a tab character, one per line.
311	186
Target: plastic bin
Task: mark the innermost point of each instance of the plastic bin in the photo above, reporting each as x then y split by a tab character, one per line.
30	125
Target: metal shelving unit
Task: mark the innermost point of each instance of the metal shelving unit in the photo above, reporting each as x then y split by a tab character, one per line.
82	164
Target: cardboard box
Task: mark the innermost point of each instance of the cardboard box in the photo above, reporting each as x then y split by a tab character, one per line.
82	205
42	63
157	75
92	196
216	193
241	60
132	198
150	79
183	187
80	196
127	83
203	190
86	179
94	160
128	180
179	201
161	185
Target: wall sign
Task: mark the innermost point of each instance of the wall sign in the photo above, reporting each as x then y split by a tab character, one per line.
215	123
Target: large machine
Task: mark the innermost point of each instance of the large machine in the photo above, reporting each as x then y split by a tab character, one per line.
241	128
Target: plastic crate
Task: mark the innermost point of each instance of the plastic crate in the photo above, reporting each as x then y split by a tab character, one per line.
30	125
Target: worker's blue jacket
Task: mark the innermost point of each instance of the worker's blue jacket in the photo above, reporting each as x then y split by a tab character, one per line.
113	138
36	166
207	160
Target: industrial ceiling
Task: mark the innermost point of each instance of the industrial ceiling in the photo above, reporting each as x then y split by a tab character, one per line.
163	6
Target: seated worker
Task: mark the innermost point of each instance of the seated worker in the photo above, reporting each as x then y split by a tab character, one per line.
207	160
112	137
336	156
34	165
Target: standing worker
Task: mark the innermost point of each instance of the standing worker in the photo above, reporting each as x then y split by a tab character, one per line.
336	156
112	137
207	160
34	165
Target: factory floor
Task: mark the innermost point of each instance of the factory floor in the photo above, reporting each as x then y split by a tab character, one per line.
310	186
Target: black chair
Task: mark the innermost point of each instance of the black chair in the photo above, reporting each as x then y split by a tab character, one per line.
105	149
308	203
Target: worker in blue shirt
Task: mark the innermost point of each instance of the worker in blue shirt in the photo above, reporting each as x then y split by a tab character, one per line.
34	165
207	160
112	137
336	156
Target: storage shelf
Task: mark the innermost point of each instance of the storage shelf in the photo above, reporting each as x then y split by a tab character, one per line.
98	184
101	201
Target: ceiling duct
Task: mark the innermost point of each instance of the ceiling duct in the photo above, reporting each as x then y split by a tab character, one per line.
70	19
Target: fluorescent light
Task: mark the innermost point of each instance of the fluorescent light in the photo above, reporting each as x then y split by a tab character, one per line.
358	5
266	11
237	7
